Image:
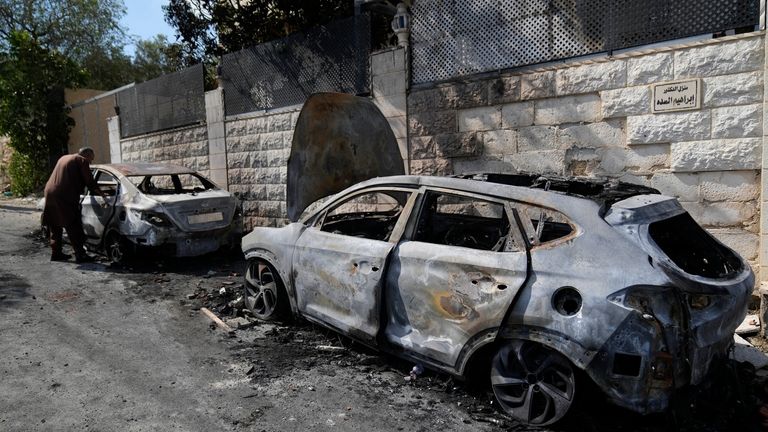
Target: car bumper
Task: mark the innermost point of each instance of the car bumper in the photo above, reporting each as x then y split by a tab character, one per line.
172	241
665	345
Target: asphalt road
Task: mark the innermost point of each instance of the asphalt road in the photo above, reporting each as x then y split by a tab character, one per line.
90	347
96	348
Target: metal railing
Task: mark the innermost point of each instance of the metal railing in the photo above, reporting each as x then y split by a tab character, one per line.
170	101
333	57
452	38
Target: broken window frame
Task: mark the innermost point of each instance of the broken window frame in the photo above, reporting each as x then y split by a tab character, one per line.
317	221
533	234
514	235
106	186
178	186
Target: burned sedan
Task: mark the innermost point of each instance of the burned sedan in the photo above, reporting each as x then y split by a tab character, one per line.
547	277
161	208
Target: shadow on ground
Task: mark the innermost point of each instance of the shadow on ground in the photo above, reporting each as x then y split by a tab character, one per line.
13	290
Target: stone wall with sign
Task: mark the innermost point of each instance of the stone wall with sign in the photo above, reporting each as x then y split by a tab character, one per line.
597	119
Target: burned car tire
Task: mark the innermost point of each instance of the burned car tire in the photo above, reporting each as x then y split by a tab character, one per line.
532	383
265	294
117	249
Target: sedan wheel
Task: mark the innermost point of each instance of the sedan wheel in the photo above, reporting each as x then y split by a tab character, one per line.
265	296
116	249
533	383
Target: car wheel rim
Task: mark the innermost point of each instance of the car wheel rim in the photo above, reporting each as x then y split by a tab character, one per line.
115	250
260	289
533	383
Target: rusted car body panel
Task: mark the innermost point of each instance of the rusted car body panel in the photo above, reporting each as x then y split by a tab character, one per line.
643	326
339	140
183	222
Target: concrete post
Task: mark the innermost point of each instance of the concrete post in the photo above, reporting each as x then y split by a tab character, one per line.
217	142
389	83
113	132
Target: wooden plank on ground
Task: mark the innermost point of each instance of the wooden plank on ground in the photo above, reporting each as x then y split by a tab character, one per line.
212	316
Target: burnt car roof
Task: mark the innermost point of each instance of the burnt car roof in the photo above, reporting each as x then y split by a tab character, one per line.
532	187
137	169
604	191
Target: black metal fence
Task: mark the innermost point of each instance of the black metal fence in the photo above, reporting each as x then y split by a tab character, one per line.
280	73
451	38
170	101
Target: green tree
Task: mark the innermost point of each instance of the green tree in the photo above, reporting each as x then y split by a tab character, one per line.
32	113
85	31
107	69
74	28
89	33
192	20
155	57
210	28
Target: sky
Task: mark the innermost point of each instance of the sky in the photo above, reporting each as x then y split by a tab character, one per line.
144	18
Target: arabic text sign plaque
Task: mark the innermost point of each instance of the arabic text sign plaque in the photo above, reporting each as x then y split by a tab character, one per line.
677	96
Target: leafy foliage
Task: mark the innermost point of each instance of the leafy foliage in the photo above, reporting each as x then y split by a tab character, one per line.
32	114
27	174
49	45
89	33
107	69
210	28
74	28
155	57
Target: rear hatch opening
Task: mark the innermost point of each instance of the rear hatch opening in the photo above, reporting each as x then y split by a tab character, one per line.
661	226
693	249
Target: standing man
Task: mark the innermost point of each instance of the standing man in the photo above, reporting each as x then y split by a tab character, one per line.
68	180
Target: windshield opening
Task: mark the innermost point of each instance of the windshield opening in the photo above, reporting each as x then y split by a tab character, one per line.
693	249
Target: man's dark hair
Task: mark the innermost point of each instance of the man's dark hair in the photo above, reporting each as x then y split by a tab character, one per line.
86	150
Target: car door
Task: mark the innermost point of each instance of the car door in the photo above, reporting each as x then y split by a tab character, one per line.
339	263
457	275
95	216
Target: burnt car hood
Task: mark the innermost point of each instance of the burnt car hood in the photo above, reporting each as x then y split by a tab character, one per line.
339	140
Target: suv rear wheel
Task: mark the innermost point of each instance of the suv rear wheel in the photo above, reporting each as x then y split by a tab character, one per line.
534	384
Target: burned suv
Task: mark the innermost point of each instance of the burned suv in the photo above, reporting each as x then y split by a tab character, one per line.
158	208
547	276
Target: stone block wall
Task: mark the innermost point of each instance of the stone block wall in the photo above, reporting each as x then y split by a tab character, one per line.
248	154
185	146
594	119
258	148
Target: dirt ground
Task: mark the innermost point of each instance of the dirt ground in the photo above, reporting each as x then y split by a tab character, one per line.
100	348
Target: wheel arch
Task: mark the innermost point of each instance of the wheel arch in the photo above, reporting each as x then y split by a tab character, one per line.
487	342
480	346
579	355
